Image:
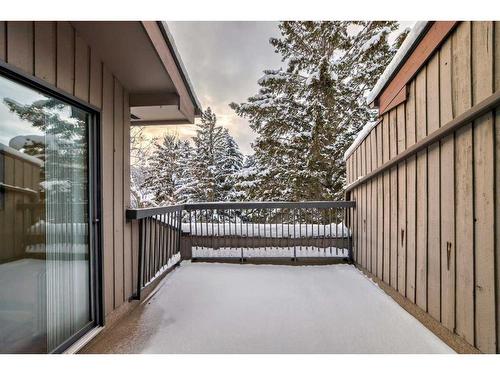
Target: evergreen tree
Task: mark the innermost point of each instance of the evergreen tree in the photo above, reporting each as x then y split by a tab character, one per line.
229	163
307	114
164	171
186	184
216	158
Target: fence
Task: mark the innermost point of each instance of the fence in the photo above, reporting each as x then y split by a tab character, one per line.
239	231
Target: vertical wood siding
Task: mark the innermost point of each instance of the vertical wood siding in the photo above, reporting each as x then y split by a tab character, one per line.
54	52
433	223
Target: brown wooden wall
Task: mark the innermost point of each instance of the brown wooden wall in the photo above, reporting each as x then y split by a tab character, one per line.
430	225
54	52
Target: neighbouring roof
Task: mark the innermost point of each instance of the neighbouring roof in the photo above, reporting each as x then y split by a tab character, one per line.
412	39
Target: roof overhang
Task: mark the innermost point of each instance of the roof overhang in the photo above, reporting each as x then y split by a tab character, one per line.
143	57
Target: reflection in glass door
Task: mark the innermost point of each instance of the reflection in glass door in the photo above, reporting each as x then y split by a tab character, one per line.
45	253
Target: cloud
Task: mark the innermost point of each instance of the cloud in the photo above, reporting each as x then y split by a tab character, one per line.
224	60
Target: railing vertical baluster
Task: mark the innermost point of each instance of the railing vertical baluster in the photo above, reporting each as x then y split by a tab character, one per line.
155	261
190	221
336	230
160	240
294	234
179	231
172	235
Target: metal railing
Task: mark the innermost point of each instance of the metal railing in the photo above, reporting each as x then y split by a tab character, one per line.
240	230
159	241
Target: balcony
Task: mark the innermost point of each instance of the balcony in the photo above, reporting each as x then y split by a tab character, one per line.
209	291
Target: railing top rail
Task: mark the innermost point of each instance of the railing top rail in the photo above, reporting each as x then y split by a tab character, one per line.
263	205
140	213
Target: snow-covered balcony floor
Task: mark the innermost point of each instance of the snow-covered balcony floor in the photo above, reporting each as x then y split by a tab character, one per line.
231	308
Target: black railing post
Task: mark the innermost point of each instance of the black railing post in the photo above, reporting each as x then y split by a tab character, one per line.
137	295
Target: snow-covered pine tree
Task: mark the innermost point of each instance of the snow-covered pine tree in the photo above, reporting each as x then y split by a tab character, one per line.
245	180
307	114
162	181
229	163
207	141
216	157
141	148
186	185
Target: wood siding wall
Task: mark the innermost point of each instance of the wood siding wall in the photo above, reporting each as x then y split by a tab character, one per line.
54	52
430	225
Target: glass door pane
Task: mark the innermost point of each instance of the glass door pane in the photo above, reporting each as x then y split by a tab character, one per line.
45	287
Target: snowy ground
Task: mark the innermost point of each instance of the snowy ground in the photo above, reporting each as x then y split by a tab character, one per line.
231	308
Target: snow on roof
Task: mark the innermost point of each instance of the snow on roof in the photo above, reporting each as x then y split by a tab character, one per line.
359	138
410	41
20	155
399	58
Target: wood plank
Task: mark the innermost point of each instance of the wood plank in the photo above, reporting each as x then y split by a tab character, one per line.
434	206
118	209
65	57
411	130
461	85
20	45
447	196
373	207
421	232
3	40
447	177
365	224
386	200
484	169
127	230
497	221
411	196
368	153
82	68
497	176
393	182
433	234
107	188
401	235
95	80
45	51
380	205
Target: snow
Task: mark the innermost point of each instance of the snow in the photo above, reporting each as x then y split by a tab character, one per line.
407	46
363	133
270	252
230	308
267	230
375	39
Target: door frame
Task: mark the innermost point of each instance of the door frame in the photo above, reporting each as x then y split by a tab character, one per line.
95	196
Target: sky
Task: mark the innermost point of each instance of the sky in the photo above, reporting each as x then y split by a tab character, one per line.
224	61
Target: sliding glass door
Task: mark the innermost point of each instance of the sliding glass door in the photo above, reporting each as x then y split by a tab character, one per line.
46	287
